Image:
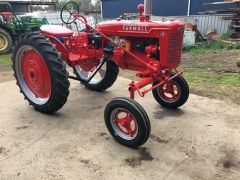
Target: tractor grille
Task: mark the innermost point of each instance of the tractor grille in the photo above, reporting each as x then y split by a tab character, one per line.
175	48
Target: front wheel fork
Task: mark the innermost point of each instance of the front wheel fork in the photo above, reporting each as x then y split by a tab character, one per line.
137	86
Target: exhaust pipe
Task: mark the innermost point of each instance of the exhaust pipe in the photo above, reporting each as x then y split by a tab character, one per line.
148	7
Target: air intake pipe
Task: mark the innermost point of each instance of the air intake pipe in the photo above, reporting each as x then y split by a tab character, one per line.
148	8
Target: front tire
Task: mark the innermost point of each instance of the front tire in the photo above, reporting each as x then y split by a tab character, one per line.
5	42
172	94
127	122
40	73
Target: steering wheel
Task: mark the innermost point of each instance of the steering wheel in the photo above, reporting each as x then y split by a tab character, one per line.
71	8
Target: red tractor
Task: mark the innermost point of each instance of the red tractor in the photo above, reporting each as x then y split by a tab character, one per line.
152	49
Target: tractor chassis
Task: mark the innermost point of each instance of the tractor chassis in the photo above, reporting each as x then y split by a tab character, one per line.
151	49
134	86
163	77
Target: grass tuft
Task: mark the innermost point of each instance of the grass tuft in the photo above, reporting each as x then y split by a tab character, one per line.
5	59
212	47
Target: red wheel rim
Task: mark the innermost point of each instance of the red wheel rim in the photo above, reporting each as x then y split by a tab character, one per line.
36	74
125	123
170	91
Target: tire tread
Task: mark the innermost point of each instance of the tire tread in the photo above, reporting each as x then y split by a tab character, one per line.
57	71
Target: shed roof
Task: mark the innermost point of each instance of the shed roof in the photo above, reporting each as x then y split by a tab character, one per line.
32	2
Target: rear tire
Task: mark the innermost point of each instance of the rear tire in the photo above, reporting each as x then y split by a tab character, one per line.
40	73
106	81
127	122
5	41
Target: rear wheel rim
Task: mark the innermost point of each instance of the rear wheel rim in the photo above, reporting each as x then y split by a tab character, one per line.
3	42
169	92
124	124
97	78
33	75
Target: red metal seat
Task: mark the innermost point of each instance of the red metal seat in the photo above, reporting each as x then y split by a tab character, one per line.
56	30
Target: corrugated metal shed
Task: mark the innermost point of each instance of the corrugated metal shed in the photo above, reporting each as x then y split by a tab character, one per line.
115	8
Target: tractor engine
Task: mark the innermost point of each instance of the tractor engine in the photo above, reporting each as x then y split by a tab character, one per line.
144	48
148	40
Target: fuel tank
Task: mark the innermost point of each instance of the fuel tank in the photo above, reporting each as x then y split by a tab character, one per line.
120	27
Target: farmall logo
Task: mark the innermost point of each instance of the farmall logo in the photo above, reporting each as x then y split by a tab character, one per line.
135	27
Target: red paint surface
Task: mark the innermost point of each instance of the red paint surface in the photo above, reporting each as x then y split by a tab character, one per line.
36	74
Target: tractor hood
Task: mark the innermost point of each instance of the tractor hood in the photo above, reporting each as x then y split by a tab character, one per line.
125	27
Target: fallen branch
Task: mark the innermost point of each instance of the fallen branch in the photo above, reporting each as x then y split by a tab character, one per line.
228	42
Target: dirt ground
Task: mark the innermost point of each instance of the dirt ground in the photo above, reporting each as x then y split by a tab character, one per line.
226	59
214	75
199	141
6	73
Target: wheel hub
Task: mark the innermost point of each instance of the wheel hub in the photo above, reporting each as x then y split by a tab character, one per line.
170	91
126	123
36	75
3	42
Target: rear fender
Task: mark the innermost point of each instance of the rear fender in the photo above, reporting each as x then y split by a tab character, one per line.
9	30
60	47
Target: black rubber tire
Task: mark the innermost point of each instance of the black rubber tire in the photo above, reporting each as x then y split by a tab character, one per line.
9	39
180	101
56	67
108	80
144	126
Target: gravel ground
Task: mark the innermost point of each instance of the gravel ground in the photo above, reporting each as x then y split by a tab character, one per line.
198	141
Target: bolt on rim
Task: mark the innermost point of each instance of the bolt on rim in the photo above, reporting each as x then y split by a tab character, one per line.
169	92
3	42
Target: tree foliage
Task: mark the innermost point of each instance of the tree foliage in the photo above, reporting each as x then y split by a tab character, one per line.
85	5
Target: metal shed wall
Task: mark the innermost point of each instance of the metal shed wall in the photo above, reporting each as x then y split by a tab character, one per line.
115	8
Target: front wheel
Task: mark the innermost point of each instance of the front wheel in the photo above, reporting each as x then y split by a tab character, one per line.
172	94
127	122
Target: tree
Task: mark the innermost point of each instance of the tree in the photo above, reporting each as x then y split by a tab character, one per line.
60	4
97	5
85	5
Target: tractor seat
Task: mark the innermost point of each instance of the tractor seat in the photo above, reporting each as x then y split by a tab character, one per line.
56	30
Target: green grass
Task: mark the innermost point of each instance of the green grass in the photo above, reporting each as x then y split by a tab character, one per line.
228	79
211	79
5	59
212	47
225	36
